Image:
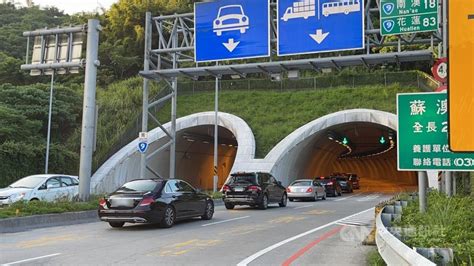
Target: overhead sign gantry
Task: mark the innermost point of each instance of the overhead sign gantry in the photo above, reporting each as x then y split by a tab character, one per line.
184	45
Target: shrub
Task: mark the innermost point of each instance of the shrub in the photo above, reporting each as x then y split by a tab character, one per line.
447	223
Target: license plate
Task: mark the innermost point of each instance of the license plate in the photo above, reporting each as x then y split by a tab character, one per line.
239	189
122	202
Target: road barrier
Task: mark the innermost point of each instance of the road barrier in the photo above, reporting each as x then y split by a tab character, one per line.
392	250
19	224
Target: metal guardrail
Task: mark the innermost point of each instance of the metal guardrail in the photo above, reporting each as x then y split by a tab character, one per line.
392	250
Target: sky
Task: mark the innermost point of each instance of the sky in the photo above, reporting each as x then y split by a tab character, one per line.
75	6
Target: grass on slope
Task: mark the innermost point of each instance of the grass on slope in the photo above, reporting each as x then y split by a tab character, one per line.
273	115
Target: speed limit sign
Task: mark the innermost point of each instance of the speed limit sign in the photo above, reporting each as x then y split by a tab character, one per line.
440	70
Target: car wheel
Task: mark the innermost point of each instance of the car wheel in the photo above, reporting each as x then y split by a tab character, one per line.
229	206
168	217
116	224
209	212
291	199
284	200
264	204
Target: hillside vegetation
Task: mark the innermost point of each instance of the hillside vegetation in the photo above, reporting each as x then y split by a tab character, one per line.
273	115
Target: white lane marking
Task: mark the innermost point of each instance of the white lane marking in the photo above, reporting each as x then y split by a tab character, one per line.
355	225
369	197
347	197
32	259
225	221
281	243
301	207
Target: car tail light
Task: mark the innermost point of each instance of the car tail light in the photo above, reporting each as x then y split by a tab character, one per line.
225	188
147	201
254	188
309	190
103	203
288	190
329	183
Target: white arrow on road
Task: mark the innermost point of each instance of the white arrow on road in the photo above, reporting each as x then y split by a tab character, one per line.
231	45
319	36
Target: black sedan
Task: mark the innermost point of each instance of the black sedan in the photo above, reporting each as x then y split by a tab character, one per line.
161	201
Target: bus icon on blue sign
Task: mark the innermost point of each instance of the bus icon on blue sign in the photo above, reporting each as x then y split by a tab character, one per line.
344	7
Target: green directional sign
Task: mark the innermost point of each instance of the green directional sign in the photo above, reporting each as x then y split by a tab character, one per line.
423	135
408	16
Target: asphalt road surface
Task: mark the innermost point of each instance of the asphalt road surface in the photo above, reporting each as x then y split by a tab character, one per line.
303	233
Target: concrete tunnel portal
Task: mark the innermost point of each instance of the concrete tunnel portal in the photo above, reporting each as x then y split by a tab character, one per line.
195	156
366	149
356	141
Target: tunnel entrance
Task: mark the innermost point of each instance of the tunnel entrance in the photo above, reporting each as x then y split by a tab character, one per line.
195	156
364	148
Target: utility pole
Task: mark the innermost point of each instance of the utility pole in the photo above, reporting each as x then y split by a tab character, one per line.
422	182
88	112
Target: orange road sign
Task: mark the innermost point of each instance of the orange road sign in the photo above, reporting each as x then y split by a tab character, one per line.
461	75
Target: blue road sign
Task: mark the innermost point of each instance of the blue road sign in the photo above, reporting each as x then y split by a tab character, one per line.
231	29
142	146
314	26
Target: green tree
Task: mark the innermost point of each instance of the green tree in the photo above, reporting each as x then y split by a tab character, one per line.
123	36
32	102
16	126
10	71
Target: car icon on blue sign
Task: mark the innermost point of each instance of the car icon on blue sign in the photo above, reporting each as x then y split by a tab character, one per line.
230	18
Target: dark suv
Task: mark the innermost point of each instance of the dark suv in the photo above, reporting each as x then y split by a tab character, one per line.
255	189
331	185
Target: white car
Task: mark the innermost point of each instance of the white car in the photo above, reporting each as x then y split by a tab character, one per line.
231	18
40	187
305	189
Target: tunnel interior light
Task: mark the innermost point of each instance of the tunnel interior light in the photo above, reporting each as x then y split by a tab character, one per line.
387	146
341	140
207	139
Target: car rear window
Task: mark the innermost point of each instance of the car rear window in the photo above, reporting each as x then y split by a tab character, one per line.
140	185
242	179
301	183
353	177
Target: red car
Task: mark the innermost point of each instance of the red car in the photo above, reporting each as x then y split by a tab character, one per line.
355	180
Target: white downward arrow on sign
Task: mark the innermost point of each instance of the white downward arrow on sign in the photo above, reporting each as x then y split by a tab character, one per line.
231	45
319	36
